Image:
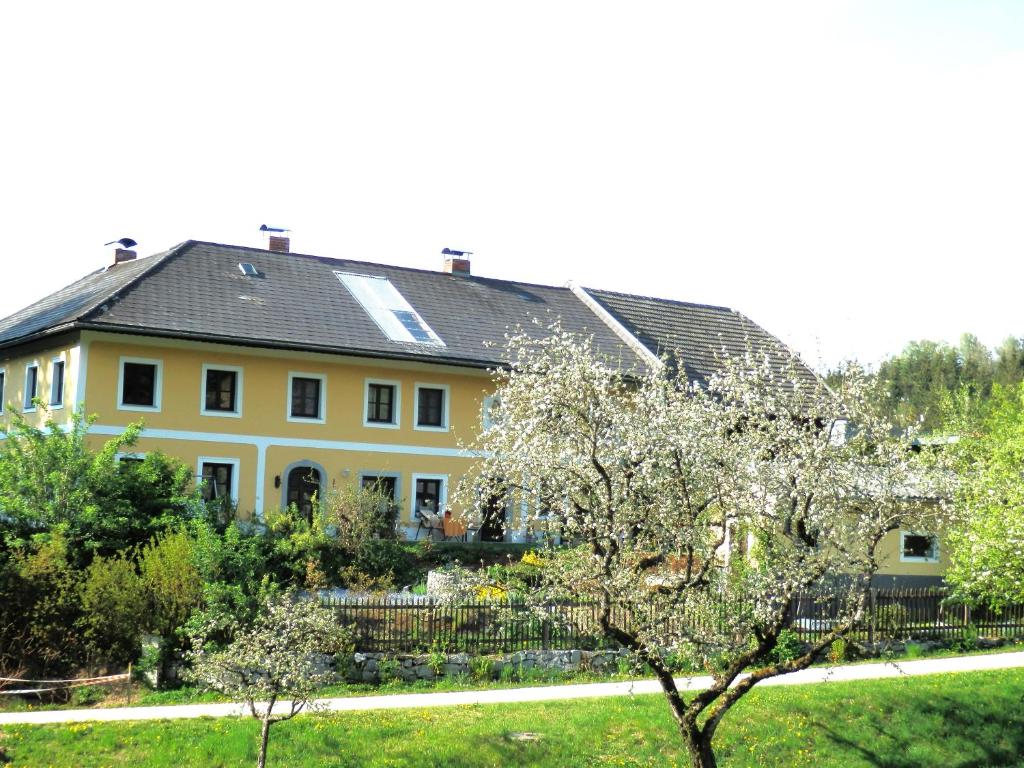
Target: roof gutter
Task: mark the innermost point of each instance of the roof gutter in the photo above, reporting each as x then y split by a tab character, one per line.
270	344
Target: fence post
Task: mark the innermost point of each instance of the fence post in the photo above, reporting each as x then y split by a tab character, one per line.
872	606
545	630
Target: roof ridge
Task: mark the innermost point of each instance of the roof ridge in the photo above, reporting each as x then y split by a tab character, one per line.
418	270
664	300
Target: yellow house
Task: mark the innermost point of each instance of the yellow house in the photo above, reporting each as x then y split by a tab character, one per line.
277	374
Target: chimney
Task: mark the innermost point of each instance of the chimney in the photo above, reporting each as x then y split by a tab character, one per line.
456	263
277	240
124	252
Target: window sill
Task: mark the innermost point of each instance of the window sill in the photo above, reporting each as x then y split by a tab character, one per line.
381	425
906	559
221	414
428	428
143	408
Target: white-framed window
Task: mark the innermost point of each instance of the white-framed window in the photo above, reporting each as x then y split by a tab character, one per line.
382	403
139	384
132	457
217	478
221	393
3	390
57	369
307	397
489	412
429	495
31	386
389	484
918	547
430	408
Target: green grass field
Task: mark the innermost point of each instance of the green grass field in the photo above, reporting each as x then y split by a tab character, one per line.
956	720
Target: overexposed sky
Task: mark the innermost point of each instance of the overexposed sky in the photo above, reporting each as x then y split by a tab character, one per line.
849	175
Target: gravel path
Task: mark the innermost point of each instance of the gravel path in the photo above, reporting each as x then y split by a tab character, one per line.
546	693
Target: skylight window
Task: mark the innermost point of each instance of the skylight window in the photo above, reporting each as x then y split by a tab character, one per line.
248	269
389	309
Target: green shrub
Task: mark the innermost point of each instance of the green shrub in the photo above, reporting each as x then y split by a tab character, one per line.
914	650
87	695
838	651
787	647
388	669
481	668
114	602
171	579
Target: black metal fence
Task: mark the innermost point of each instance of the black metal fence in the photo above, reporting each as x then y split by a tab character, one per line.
490	627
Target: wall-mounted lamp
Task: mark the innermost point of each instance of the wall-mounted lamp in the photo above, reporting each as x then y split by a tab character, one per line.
277	481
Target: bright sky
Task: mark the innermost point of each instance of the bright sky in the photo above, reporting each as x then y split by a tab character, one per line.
849	175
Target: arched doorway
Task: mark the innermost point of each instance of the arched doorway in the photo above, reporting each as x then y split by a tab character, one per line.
303	483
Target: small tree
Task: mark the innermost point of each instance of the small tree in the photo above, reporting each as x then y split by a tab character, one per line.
985	543
279	657
696	514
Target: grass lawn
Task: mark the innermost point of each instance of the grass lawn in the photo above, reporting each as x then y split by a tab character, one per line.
955	720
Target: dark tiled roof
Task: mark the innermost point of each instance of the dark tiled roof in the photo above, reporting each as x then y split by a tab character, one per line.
698	336
197	291
74	301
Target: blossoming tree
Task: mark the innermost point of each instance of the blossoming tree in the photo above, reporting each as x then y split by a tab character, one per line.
279	658
693	514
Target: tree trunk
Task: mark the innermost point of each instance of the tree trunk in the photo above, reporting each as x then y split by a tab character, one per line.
698	744
261	760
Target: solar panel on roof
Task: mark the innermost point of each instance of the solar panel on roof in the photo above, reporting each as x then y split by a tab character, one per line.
388	308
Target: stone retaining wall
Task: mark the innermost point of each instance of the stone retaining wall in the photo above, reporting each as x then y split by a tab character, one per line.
368	667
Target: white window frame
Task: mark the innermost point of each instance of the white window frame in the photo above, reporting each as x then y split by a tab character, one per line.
322	419
141	455
4	383
235	471
445	423
53	381
158	384
363	473
396	410
486	422
442	502
239	374
26	401
907	559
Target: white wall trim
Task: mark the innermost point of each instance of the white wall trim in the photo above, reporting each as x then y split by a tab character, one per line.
235	471
442	502
61	358
26	399
5	385
322	419
445	406
158	384
239	377
80	367
396	406
908	559
289	442
616	327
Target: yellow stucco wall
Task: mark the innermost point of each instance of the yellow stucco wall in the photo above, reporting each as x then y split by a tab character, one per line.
890	563
262	438
14	368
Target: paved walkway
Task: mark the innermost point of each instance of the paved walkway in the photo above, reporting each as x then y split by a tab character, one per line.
546	693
